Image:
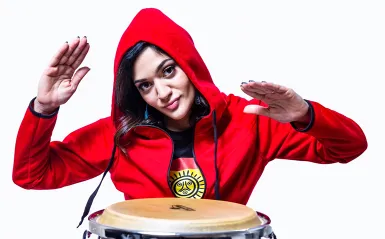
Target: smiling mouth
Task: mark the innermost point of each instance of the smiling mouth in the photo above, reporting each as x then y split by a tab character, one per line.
173	104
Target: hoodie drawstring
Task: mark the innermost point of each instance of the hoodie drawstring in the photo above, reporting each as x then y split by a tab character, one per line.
92	197
217	194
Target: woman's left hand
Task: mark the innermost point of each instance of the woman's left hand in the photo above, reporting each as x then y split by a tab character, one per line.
283	104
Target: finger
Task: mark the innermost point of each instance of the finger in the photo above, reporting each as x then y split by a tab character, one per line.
78	50
58	56
257	109
275	87
266	97
79	75
81	57
71	47
261	86
254	94
255	87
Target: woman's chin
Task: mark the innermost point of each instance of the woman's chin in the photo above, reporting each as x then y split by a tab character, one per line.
178	115
175	116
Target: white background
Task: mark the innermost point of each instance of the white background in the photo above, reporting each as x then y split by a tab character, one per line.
328	51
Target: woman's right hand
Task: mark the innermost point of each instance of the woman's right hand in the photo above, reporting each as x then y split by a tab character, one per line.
61	78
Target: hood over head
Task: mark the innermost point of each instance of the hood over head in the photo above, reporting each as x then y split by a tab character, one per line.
153	26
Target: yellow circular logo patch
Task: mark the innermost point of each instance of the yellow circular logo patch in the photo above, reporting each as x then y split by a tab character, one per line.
186	180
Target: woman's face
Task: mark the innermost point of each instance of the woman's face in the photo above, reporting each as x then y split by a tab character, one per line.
164	86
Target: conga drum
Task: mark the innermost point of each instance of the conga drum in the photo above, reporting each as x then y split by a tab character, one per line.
178	218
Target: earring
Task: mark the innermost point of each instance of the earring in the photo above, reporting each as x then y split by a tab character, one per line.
146	112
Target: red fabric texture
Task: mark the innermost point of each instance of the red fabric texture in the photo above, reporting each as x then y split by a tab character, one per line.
246	143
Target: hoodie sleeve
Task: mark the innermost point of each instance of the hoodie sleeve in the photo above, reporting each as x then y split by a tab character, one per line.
330	137
40	163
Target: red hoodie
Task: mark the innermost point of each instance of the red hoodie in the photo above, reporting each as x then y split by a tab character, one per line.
231	148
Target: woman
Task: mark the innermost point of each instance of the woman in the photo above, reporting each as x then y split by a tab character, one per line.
171	131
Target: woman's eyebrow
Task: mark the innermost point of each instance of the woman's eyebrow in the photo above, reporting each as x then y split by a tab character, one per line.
156	71
162	64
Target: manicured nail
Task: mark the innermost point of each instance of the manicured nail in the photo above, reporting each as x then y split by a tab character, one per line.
243	83
78	37
251	81
66	41
85	37
263	81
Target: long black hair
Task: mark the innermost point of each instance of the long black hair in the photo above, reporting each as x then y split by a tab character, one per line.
129	101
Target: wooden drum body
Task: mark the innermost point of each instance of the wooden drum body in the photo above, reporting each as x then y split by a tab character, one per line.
179	218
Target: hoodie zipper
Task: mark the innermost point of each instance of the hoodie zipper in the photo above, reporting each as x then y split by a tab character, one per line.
196	162
172	151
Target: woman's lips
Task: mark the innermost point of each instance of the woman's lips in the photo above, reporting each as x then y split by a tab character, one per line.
174	105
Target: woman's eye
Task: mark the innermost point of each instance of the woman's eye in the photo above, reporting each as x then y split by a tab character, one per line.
143	86
168	70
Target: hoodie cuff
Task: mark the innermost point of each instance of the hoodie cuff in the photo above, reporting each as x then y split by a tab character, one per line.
40	115
312	117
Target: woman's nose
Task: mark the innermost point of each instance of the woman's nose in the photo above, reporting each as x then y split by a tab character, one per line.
163	91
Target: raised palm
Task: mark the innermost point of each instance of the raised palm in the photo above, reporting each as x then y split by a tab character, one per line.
61	78
284	104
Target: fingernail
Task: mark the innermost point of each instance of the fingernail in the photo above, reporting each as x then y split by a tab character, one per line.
85	37
251	81
66	41
243	83
263	81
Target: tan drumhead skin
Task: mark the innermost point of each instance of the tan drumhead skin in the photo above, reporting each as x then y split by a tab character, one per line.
179	215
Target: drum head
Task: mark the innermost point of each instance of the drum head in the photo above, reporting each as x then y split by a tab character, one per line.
179	215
